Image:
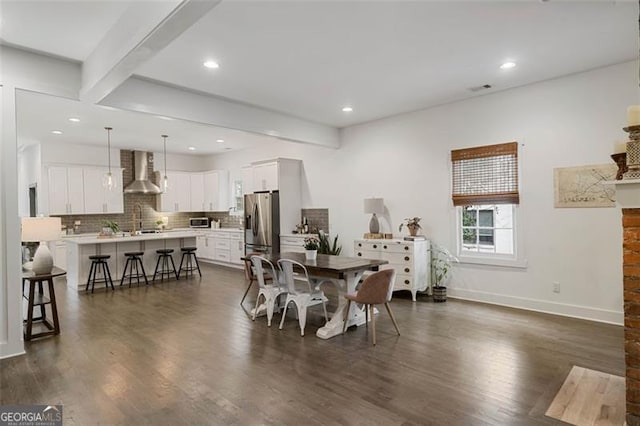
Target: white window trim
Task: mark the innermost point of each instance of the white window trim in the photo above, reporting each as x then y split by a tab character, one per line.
515	260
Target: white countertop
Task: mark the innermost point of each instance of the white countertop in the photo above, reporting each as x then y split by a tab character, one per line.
299	235
222	230
171	235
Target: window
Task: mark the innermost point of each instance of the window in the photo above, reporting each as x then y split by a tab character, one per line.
487	229
485	191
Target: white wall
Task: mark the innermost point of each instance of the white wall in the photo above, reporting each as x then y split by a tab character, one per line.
28	174
20	70
569	121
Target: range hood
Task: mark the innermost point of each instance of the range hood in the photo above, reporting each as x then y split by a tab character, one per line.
141	184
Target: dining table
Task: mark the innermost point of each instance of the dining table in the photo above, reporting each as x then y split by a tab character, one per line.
345	273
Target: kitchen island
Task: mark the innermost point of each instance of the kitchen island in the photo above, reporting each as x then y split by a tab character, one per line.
80	248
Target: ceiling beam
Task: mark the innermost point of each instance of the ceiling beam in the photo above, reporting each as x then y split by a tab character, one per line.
142	31
152	97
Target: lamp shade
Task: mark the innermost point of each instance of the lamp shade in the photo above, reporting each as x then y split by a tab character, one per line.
41	228
374	205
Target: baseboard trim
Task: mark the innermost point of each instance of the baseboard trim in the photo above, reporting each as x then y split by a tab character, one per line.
543	306
9	351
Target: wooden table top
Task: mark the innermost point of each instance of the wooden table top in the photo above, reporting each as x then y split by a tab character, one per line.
55	272
329	266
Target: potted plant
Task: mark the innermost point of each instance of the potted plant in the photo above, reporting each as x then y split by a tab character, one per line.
325	247
441	262
412	224
109	227
311	245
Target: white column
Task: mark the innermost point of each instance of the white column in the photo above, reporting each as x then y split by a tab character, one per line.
10	281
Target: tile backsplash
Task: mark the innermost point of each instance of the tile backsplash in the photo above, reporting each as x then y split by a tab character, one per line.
148	203
318	219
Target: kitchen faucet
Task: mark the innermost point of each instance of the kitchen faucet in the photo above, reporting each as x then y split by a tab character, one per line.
140	222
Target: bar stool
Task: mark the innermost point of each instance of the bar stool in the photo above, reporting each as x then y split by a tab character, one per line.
163	262
134	259
97	261
190	254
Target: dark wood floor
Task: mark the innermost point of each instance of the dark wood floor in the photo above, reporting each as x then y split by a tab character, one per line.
186	353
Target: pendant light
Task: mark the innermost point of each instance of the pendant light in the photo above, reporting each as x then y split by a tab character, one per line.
108	182
165	179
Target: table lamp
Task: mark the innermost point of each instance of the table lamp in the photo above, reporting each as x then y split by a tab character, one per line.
42	230
374	206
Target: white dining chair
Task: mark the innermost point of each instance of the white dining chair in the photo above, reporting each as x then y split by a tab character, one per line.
301	292
269	291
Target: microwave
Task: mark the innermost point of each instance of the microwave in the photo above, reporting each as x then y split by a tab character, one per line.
198	222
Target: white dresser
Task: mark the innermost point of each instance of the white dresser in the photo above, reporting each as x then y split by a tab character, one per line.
410	259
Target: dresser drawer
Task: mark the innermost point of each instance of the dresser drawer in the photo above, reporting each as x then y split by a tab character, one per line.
367	254
398	258
236	236
406	269
367	245
290	248
397	247
222	235
403	282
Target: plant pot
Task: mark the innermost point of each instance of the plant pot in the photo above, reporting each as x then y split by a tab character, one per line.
311	254
107	231
413	230
439	294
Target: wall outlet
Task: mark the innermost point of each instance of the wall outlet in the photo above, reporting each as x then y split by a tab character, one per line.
556	287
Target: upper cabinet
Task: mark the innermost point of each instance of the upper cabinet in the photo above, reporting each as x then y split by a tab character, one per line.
177	198
216	192
285	176
79	190
196	192
97	198
265	176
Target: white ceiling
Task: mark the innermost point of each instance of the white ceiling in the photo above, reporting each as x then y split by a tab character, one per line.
39	114
70	29
310	58
383	58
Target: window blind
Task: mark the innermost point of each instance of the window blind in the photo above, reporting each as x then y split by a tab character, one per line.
485	175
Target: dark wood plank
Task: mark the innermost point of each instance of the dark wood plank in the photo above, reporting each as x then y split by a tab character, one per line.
185	352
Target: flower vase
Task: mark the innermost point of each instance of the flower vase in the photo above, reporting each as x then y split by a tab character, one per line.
310	254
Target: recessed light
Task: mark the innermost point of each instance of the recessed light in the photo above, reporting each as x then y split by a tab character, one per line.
220	140
74	119
507	65
347	109
192	148
211	64
56	132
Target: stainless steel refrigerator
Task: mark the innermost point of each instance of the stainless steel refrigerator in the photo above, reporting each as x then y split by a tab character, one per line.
262	222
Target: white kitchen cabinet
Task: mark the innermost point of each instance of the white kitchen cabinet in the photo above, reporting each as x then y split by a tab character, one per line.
293	243
247	180
98	199
284	175
236	248
224	247
197	192
58	251
265	176
410	259
216	190
66	190
177	198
